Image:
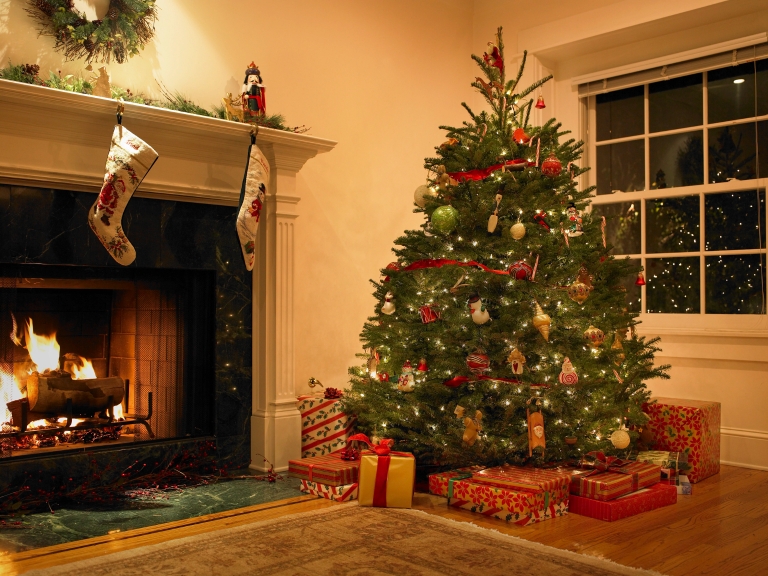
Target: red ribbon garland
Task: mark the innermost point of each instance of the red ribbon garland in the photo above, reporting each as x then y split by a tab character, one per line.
440	262
457	381
482	173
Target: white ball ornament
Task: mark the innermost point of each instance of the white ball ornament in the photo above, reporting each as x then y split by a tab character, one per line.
620	439
517	231
422	194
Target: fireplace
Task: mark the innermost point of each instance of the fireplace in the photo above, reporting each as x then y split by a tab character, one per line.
147	334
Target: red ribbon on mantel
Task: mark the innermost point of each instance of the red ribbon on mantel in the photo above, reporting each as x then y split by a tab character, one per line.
482	173
440	262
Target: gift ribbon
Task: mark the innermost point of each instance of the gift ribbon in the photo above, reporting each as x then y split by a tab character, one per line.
602	463
381	449
380	486
482	173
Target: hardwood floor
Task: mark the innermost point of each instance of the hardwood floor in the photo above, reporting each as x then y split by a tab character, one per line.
721	529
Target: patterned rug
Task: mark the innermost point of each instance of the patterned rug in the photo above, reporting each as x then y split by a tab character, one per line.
347	540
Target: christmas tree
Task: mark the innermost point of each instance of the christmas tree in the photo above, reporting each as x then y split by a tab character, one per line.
502	333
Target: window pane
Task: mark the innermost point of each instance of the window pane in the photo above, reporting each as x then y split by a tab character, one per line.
762	87
672	225
762	148
672	285
620	113
622	225
677	160
633	295
676	103
735	220
732	152
735	284
731	92
620	167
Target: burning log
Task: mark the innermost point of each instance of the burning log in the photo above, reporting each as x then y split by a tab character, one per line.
49	394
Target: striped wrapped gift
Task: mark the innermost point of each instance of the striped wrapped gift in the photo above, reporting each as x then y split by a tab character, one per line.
553	484
625	479
336	493
438	483
521	508
329	469
324	427
638	502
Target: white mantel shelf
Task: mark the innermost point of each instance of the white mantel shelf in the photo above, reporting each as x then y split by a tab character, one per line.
57	139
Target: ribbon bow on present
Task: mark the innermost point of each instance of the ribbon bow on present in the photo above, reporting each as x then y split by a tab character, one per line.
599	462
332	393
383	448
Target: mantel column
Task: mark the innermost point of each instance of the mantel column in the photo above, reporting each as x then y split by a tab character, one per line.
275	421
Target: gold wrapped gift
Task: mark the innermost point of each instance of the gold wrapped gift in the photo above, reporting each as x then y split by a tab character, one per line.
386	481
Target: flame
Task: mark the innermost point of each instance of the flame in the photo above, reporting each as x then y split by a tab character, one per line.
9	391
82	369
44	350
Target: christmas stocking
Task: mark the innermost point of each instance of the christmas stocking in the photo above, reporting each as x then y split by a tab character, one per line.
252	195
129	160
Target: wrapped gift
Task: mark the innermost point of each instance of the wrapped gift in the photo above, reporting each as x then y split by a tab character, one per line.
324	427
690	426
438	483
337	493
513	506
671	463
330	469
656	496
607	478
681	484
553	484
386	477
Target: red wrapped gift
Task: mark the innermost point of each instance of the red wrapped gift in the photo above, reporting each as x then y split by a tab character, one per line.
521	508
690	426
607	478
554	484
656	496
438	483
324	427
330	469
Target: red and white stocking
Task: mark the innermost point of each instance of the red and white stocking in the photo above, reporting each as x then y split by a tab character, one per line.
252	196
128	161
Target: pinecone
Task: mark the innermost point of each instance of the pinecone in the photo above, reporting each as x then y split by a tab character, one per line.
88	44
112	13
45	7
119	52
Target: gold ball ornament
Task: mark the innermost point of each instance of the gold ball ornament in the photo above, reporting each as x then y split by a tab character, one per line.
594	336
517	231
617	347
542	321
422	195
620	439
578	292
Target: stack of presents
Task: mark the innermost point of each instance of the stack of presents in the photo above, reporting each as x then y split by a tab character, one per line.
686	442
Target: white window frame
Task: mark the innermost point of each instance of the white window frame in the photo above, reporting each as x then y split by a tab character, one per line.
660	323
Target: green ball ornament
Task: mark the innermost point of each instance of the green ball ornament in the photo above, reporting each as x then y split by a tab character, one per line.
445	219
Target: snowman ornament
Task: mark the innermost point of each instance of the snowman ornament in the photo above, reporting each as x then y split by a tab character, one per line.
388	307
406	381
574	221
477	310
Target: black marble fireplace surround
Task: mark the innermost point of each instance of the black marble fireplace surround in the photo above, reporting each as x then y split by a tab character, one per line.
195	244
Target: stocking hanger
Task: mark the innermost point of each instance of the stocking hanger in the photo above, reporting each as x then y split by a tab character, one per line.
120	111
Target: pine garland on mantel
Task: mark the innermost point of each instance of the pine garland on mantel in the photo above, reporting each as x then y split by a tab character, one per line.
125	29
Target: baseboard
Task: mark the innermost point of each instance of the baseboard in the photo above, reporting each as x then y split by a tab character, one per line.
744	448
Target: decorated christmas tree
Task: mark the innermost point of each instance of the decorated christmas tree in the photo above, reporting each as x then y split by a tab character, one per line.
502	333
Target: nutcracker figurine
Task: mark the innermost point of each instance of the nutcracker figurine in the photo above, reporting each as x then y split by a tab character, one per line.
254	92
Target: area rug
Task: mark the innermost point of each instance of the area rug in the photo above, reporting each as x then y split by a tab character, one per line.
347	540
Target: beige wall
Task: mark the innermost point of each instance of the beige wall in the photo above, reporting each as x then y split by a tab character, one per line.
379	77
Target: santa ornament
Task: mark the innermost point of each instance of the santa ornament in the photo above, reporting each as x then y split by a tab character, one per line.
536	437
252	197
128	162
568	376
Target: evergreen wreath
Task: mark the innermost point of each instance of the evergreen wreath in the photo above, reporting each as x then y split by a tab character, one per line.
122	33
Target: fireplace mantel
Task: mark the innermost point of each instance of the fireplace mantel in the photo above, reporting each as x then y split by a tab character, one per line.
59	140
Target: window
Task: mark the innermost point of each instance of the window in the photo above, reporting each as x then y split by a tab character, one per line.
680	167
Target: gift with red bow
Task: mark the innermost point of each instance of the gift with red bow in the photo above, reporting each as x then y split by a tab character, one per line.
386	476
606	477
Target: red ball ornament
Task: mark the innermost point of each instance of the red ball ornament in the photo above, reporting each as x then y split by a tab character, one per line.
520	136
477	362
429	314
383	377
521	270
551	166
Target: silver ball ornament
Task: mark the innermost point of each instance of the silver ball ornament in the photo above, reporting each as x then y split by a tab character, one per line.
517	231
422	194
620	439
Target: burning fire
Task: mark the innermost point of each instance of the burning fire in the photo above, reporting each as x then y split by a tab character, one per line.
9	391
43	350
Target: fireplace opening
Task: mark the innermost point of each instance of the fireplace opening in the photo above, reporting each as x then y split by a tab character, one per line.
91	356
